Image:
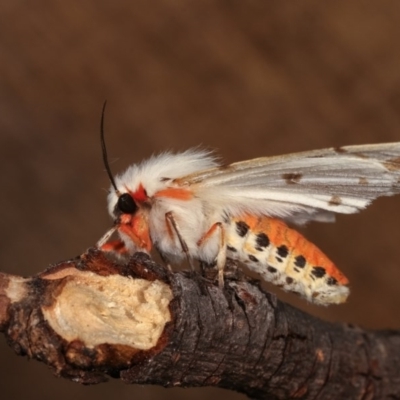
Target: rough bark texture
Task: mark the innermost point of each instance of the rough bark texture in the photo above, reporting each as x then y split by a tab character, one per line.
238	338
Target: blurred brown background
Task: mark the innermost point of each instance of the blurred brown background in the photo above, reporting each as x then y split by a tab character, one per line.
249	78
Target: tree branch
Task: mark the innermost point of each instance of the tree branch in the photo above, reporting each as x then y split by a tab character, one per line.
89	318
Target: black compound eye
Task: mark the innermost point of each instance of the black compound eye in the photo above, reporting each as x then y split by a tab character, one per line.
126	204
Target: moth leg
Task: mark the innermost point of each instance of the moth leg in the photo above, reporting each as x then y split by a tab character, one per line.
174	228
102	241
165	260
221	256
117	246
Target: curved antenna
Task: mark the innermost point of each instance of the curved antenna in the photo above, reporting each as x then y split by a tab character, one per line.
104	149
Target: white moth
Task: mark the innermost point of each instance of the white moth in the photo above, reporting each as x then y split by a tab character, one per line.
187	204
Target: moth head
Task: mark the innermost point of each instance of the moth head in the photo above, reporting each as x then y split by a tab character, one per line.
127	203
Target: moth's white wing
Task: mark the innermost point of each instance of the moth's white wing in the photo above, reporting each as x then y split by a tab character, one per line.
305	186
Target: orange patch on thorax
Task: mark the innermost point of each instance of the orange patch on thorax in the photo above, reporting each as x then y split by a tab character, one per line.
175	193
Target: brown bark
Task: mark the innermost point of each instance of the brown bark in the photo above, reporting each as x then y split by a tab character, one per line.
90	318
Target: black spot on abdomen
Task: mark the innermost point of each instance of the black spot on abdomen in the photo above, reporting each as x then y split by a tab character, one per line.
232	249
331	281
283	251
318	272
300	261
262	241
242	228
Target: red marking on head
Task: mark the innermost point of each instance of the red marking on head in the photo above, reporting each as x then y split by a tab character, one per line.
140	195
175	193
137	229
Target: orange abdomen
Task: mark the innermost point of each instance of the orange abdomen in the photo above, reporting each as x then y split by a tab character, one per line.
286	258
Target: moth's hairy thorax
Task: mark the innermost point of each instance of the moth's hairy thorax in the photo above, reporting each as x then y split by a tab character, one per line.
192	220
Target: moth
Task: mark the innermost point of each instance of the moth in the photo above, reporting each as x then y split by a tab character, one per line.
190	205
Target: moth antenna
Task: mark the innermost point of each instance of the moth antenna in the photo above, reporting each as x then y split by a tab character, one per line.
104	149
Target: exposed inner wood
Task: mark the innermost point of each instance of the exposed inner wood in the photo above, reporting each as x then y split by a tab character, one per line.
110	309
